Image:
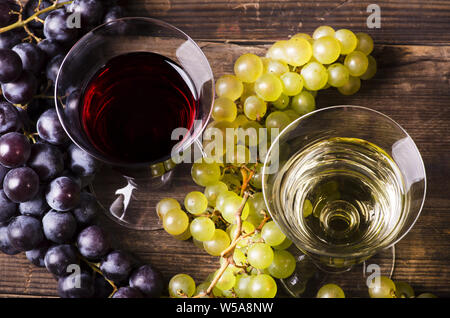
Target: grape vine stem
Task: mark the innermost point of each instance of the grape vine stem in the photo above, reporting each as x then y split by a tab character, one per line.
23	22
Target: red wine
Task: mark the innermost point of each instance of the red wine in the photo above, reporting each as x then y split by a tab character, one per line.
132	105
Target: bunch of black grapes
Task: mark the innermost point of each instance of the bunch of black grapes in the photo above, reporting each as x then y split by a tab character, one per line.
46	210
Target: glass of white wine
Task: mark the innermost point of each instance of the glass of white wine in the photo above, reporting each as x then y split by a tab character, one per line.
348	183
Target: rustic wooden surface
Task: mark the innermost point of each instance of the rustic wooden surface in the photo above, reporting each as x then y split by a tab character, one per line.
412	86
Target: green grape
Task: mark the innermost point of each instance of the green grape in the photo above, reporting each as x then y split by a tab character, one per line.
275	67
157	169
240	120
231	206
165	205
260	255
326	49
181	285
258	204
292	114
282	102
283	264
186	235
232	181
322	31
292	83
382	287
205	174
254	108
202	228
286	243
249	90
315	76
223	197
197	243
241	285
249	134
277	51
213	190
330	291
272	234
337	75
357	63
202	289
268	87
351	87
256	180
303	103
246	228
219	242
239	257
248	67
305	36
371	69
227	280
403	290
229	86
347	39
224	109
365	43
262	286
298	51
277	119
175	222
238	154
195	202
307	208
426	295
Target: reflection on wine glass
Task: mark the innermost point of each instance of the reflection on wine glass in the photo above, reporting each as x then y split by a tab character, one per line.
351	183
120	93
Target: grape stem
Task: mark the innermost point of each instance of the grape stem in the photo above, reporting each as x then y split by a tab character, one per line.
95	268
22	23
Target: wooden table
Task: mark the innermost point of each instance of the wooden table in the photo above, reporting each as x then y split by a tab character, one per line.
411	86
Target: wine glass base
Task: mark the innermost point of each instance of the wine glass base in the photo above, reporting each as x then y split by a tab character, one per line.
131	202
308	277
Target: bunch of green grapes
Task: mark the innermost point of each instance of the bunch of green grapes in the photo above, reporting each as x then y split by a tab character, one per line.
264	92
383	288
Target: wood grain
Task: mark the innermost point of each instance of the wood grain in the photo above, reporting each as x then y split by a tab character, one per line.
411	86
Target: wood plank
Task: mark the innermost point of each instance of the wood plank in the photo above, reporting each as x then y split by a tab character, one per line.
402	22
412	86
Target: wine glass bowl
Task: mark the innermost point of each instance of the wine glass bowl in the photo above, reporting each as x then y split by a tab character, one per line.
131	183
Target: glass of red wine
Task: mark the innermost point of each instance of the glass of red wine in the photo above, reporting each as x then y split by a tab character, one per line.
122	94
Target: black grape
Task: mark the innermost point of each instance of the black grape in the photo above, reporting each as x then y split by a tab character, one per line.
30	8
80	162
33	58
46	160
10	38
5	17
59	257
56	27
8	209
51	48
50	129
15	149
113	13
91	11
93	243
63	194
5	244
68	287
36	107
10	65
22	90
25	232
86	212
53	67
117	266
37	256
3	172
36	207
9	118
127	292
21	184
59	227
148	280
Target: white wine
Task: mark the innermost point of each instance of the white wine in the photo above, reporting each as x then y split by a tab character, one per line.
341	196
